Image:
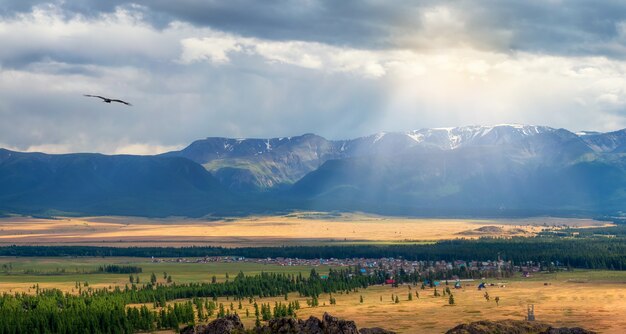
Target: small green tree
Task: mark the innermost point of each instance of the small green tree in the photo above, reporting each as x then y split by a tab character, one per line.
221	312
332	300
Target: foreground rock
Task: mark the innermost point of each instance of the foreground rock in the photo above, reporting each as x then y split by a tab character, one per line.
513	327
231	324
313	325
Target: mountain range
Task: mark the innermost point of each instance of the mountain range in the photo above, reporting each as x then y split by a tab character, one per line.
504	169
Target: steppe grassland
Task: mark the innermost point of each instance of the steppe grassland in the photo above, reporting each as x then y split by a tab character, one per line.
292	229
593	299
600	307
63	273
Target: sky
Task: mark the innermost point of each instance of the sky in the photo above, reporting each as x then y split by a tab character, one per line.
341	69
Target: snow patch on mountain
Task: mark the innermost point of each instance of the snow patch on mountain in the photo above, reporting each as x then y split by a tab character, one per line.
378	137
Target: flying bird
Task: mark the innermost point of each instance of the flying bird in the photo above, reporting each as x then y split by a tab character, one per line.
108	100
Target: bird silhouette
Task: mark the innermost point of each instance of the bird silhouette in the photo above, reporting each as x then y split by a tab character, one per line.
108	100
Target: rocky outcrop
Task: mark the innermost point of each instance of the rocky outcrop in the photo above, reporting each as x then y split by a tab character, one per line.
230	324
513	327
313	325
334	325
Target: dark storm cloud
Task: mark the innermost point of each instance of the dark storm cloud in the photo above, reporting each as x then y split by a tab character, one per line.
552	27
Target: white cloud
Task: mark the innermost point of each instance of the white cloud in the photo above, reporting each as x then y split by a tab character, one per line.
215	49
189	82
218	48
146	149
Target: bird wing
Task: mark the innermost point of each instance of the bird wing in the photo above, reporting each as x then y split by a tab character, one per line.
98	96
120	101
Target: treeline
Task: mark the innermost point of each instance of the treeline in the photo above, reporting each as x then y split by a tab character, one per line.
117	269
107	311
591	253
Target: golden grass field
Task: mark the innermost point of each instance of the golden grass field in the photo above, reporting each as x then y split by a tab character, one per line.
299	228
596	306
592	299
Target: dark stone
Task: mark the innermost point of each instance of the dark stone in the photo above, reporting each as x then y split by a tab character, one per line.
284	326
513	327
230	324
312	325
332	325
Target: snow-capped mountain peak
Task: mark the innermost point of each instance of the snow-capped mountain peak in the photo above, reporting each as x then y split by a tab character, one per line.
454	137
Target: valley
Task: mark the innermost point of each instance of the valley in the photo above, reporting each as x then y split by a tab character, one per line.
591	299
299	228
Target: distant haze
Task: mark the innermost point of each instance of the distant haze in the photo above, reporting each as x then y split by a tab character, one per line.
341	69
503	170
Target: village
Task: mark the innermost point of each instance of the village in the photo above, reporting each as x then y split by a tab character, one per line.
367	266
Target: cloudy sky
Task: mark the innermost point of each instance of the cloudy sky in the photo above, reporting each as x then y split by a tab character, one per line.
341	69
